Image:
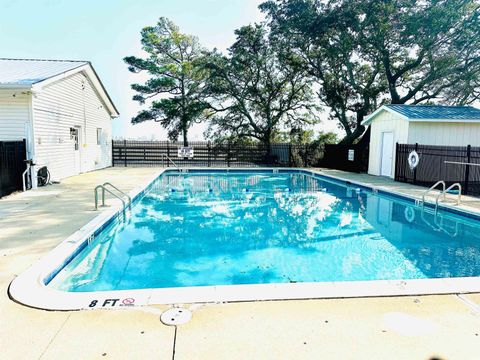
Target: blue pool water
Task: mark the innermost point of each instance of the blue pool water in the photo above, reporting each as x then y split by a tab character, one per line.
218	228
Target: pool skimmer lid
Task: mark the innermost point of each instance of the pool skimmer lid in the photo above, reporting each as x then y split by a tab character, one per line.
176	316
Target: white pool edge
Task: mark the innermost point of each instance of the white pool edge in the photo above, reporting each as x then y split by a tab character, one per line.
29	288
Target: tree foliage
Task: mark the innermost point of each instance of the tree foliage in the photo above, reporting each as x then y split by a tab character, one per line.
363	53
175	85
299	136
427	50
255	91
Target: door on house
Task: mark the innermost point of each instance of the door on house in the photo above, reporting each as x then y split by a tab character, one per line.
386	163
77	161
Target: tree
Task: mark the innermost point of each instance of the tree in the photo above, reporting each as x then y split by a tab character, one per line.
299	136
322	36
256	92
176	79
363	53
427	50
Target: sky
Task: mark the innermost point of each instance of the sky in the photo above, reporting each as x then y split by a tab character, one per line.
105	31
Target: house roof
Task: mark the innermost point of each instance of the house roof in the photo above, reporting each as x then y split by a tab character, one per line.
29	72
434	113
36	73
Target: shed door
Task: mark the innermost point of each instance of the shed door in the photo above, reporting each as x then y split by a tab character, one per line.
387	154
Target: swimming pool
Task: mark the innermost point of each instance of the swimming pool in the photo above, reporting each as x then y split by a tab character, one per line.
193	234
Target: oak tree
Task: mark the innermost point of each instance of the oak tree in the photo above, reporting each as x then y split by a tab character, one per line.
256	92
363	53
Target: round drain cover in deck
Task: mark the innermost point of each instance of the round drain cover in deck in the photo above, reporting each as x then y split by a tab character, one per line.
176	316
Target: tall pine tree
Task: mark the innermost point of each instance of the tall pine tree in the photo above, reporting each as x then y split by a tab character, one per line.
174	88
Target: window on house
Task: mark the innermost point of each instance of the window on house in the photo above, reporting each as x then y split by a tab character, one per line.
99	136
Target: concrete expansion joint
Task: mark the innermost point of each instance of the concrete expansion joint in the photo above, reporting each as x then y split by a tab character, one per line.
471	304
174	343
54	336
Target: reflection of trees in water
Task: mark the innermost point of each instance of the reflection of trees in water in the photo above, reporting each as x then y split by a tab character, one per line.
197	223
233	182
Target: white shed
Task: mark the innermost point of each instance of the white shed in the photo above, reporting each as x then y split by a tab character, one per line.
62	110
422	124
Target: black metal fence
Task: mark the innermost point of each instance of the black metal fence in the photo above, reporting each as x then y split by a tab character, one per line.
352	158
12	165
446	163
208	154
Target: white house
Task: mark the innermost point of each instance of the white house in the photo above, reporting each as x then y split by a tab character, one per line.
422	124
62	110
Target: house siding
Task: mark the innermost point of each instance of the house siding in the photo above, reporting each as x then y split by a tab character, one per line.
68	103
442	133
14	114
385	122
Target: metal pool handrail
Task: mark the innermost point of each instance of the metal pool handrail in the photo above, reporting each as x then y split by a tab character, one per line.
433	187
103	191
120	191
169	159
103	187
445	191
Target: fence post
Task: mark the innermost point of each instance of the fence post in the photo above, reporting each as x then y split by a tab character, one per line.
125	151
3	160
397	158
168	148
415	170
20	156
208	149
228	154
24	156
113	156
467	169
290	155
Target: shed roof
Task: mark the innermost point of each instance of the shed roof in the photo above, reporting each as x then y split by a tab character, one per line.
35	73
434	113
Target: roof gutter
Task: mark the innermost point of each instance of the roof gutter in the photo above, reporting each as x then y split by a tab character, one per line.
466	121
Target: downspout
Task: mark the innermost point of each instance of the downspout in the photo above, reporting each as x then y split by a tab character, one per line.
32	143
83	155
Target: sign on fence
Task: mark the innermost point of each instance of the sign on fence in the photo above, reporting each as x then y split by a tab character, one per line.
351	155
346	157
185	152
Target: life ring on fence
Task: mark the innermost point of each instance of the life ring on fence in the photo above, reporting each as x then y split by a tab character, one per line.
409	214
413	159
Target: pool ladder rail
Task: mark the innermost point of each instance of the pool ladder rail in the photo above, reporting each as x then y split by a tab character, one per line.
110	188
166	157
443	192
459	197
434	186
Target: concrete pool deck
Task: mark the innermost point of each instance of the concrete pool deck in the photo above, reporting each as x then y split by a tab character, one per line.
32	223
